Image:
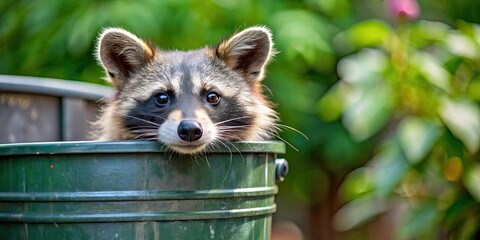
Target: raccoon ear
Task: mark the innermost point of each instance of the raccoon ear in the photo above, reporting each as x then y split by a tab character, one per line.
247	52
122	53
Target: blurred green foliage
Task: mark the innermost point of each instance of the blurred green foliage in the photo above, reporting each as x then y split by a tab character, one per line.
391	109
418	86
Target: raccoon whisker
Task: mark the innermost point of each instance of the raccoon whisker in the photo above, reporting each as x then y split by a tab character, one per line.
143	130
231	157
200	155
229	169
151	129
222	132
280	126
233	127
146	134
285	141
143	127
230	130
233	145
268	90
214	145
208	163
140	119
232	119
146	114
145	137
171	154
230	137
196	160
148	139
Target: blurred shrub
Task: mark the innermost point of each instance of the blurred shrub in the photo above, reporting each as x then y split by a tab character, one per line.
401	124
416	86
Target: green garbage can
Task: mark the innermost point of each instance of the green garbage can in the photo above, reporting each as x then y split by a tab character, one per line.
137	190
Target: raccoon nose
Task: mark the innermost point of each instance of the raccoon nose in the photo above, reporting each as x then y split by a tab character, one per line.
189	130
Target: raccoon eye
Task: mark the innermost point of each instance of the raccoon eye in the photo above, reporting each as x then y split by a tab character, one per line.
213	98
161	99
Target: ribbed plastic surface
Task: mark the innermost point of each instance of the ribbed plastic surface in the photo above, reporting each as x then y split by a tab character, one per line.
136	190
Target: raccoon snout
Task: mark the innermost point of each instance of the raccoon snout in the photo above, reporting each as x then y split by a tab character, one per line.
190	130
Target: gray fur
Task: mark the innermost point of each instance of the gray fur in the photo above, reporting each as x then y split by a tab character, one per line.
233	70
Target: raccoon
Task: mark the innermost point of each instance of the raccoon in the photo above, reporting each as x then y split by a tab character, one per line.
190	101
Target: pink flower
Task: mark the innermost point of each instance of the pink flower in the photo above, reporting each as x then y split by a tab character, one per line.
403	9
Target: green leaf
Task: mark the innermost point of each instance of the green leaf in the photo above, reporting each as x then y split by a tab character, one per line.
426	32
473	89
367	96
462	46
367	66
357	183
432	70
462	206
367	110
463	120
82	32
389	167
358	212
476	33
417	136
420	222
301	33
369	33
330	105
333	9
471	179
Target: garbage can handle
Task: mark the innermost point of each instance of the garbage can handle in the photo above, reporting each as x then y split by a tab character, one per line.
281	169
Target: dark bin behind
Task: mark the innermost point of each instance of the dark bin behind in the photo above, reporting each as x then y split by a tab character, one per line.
137	190
41	109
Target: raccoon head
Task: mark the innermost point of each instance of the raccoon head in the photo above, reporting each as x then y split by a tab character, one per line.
188	100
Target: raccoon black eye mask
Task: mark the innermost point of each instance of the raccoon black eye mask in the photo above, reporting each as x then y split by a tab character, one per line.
188	100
